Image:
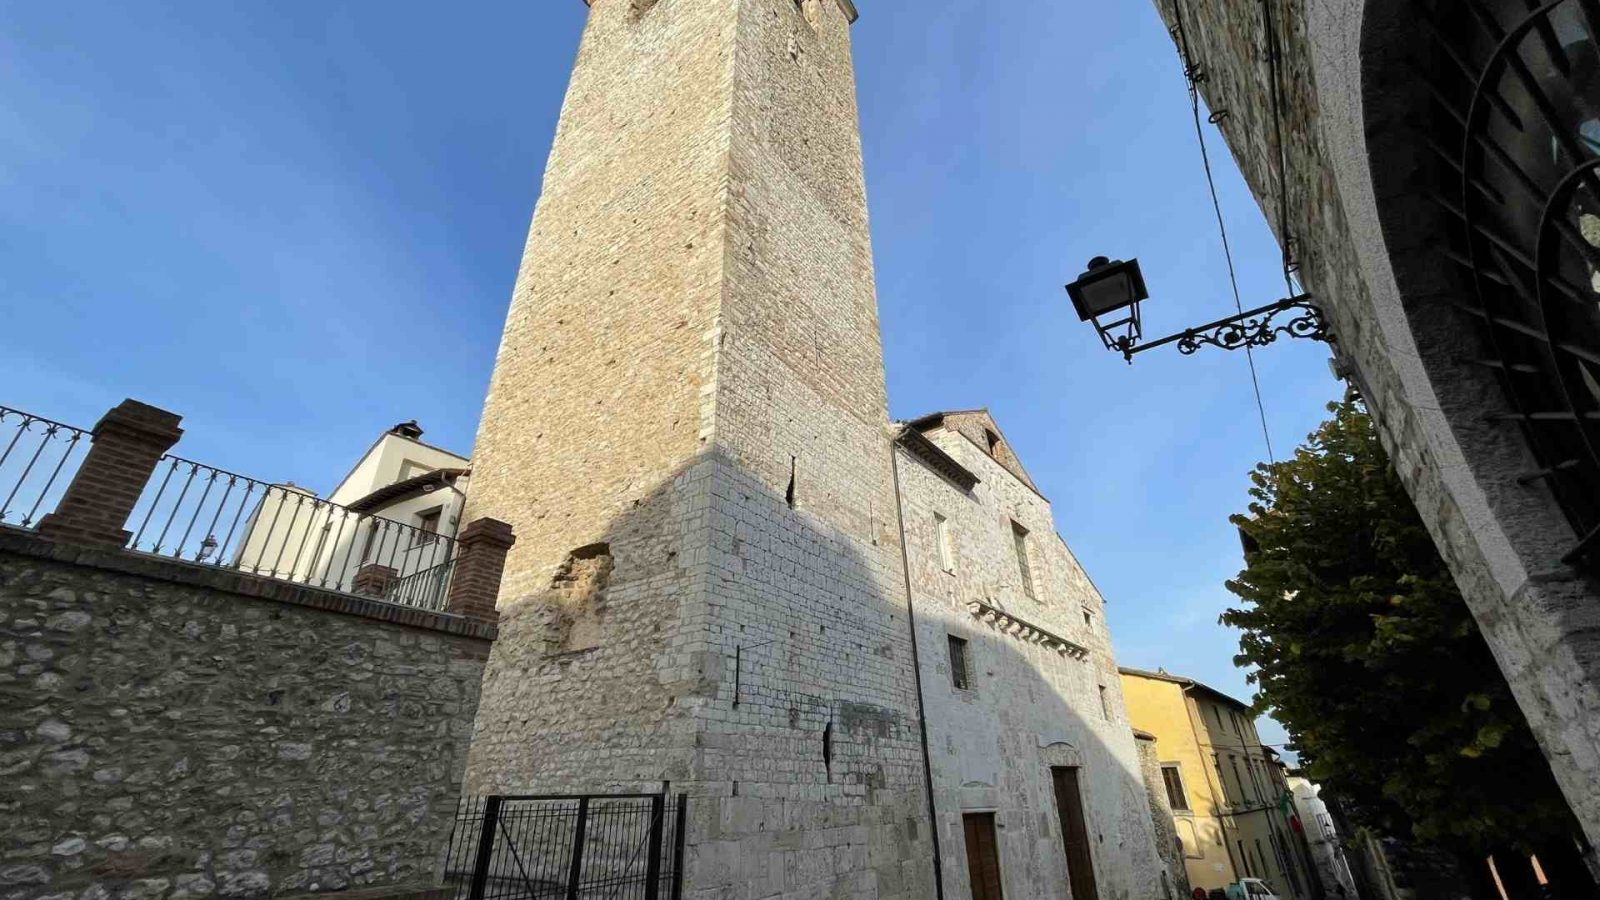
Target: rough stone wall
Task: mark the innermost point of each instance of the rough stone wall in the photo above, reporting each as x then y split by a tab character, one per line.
1176	883
691	376
1362	234
170	737
1027	708
594	418
826	731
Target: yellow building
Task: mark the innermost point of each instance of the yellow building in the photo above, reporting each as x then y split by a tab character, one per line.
1225	787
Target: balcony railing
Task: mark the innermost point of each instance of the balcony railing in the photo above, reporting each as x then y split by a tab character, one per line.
203	514
38	458
119	489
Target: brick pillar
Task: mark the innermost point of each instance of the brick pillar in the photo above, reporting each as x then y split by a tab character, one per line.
373	580
128	443
480	560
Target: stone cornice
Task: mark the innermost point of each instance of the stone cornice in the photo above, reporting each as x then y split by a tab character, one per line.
1025	630
918	445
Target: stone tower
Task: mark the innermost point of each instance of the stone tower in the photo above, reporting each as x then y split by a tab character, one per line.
687	427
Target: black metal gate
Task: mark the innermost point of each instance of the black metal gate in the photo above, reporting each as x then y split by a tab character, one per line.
565	847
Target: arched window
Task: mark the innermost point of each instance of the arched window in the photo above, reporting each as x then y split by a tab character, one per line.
1514	138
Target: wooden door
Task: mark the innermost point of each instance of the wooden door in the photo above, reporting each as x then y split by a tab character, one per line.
1074	834
983	856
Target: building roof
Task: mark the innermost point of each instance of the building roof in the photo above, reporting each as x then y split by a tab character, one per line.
405	490
934	418
1008	459
392	433
1185	682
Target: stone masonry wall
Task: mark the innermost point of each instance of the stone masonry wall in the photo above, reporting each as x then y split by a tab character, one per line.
1361	231
691	384
824	746
594	425
1168	845
175	731
1027	707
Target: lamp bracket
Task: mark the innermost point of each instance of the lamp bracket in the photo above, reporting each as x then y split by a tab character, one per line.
1252	328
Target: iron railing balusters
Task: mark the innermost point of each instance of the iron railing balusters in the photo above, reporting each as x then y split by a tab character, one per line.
211	527
71	444
300	547
199	505
23	487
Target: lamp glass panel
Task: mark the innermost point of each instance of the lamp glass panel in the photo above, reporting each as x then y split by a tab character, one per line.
1106	294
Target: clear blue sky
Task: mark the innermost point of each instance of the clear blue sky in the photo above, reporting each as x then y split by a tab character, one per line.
298	223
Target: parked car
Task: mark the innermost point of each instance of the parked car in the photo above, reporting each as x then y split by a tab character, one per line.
1251	889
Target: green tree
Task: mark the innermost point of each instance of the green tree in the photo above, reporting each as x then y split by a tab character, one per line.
1364	649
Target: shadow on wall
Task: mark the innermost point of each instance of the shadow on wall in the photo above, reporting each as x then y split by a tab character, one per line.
727	636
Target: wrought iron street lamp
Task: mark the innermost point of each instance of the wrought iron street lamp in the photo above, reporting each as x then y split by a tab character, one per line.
1108	288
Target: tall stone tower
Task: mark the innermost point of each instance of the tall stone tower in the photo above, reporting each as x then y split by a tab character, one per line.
687	427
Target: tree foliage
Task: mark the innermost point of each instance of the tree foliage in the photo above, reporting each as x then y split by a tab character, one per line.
1366	652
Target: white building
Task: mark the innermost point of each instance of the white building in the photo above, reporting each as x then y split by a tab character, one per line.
1327	850
387	528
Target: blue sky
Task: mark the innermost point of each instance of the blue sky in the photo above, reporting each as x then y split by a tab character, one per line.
296	224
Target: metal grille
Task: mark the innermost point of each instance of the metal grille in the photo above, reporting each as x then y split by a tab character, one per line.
1518	133
38	458
203	514
595	846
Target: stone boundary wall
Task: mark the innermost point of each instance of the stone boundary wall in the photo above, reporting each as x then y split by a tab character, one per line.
1168	845
169	730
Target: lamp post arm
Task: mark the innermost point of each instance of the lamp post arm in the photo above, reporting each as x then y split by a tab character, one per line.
1251	328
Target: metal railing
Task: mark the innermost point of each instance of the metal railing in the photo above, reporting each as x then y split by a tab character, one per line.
202	514
37	460
426	589
561	847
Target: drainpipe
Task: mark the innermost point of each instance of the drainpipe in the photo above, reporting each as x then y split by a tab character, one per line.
916	667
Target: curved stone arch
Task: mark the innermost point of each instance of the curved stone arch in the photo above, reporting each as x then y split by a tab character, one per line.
979	796
1424	291
1410	342
1060	754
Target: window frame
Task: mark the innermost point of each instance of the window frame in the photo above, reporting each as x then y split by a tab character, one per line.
1222	779
944	544
1176	769
960	662
1019	540
1243	797
992	438
423	535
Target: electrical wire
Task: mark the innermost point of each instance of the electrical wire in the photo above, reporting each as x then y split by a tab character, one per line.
1191	74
